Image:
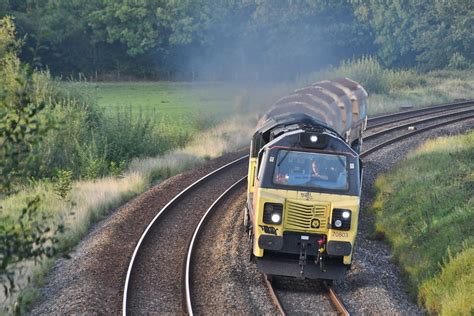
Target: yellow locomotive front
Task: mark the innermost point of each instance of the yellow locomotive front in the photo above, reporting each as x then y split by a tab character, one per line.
303	204
304	181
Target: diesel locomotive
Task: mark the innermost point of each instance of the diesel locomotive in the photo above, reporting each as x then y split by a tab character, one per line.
304	181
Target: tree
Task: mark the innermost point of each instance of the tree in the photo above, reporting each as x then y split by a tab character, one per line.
425	32
21	128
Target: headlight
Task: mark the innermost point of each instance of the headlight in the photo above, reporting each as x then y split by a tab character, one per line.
276	218
272	213
341	219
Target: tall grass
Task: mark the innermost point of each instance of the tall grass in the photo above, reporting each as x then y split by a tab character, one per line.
425	209
370	73
89	200
389	89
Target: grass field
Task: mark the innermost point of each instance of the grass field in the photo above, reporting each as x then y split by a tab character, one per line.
192	106
425	209
197	106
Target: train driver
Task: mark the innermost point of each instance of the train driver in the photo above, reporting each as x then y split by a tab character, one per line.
316	172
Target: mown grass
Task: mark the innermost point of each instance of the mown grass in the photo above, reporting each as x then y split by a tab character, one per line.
190	107
425	209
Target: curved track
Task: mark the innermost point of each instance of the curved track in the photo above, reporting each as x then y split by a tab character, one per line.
140	289
187	296
136	296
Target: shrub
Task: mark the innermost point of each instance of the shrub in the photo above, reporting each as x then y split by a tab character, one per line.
367	71
63	184
23	236
370	74
86	141
403	79
459	62
117	169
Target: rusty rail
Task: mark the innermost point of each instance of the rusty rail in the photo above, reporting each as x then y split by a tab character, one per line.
274	295
336	301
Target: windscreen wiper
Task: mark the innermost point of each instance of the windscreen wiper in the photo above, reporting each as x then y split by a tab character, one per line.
283	158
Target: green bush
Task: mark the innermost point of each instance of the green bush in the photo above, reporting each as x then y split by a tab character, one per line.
86	141
63	184
402	79
370	74
117	169
128	136
459	62
24	235
367	71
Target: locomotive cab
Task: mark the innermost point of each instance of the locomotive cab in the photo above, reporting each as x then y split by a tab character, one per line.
303	203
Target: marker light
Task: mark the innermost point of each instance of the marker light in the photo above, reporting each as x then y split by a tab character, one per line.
346	214
276	218
338	223
313	138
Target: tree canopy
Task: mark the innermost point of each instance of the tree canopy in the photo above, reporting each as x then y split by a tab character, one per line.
238	39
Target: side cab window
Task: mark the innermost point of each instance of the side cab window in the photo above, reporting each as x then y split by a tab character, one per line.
262	162
363	108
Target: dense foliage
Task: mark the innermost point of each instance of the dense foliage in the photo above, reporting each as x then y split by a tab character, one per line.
52	130
432	34
22	127
246	39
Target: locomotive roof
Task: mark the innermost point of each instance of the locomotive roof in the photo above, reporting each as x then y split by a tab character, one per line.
319	104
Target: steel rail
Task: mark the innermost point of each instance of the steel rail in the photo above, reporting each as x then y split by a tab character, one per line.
421	121
273	295
187	278
404	136
336	301
427	109
444	109
158	215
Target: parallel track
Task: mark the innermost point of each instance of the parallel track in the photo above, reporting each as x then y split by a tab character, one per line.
415	132
380	120
446	114
187	291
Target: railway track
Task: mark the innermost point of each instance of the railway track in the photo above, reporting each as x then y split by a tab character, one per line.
187	295
417	127
217	186
150	288
335	300
384	119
